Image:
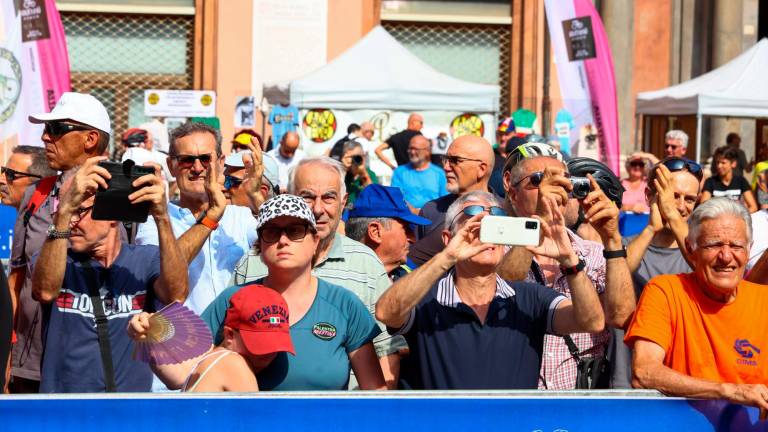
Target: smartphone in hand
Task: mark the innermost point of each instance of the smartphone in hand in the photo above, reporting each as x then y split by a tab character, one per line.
511	231
112	203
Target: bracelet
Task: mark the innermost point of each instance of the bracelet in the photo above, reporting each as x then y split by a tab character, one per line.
621	253
570	271
208	223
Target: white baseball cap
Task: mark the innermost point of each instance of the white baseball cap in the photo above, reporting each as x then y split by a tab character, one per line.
271	171
79	107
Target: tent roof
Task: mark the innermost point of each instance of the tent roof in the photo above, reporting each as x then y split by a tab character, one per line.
380	73
735	89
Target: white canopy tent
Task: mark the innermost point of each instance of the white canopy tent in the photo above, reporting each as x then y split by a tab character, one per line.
379	73
736	89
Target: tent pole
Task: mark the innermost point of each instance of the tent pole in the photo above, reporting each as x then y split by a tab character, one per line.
698	138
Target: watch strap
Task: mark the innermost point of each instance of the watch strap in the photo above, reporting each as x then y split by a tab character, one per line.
569	271
621	253
208	222
53	233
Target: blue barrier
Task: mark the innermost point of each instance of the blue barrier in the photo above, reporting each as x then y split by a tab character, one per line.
445	411
7	220
632	223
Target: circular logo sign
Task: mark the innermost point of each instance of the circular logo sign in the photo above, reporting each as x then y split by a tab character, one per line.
324	330
319	124
153	98
10	84
206	99
467	124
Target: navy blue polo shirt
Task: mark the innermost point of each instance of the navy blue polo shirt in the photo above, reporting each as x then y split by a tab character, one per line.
451	349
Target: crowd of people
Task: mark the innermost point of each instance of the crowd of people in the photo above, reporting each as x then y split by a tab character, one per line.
313	276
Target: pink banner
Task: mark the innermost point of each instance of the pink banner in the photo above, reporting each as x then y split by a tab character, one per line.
53	57
602	88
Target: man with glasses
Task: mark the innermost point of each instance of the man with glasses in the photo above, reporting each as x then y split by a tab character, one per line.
234	176
76	129
535	175
26	165
399	142
466	327
419	179
468	165
672	193
675	143
287	155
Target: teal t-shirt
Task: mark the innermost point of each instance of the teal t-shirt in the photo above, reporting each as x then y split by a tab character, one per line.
336	324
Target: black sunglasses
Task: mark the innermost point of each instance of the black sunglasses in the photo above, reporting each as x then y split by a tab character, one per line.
476	209
58	128
12	175
187	161
455	160
232	181
295	232
680	164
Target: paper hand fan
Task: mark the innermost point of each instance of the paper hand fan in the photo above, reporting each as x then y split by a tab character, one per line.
176	334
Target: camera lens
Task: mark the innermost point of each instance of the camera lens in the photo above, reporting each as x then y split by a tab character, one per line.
531	225
357	159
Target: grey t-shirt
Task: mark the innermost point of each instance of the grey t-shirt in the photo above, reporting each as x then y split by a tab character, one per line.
656	261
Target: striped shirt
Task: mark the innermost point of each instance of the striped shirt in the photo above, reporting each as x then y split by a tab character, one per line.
349	264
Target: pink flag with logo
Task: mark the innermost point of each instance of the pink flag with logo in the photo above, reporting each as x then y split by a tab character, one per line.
35	44
585	71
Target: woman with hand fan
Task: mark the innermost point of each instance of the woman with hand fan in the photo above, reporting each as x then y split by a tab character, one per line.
255	331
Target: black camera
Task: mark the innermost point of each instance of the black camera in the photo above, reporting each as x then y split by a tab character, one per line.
113	203
357	160
581	187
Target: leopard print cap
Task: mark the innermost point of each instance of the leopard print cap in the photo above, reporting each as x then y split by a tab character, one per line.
284	205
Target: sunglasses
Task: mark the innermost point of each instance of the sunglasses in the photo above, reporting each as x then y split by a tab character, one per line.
80	214
271	234
12	175
232	181
455	160
536	178
476	209
637	164
58	128
187	161
680	164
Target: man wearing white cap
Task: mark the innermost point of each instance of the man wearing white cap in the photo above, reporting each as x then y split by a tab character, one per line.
234	175
76	129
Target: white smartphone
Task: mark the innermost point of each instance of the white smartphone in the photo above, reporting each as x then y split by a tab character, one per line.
512	231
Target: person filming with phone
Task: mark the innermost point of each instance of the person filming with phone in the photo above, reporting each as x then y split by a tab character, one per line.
358	175
93	282
466	327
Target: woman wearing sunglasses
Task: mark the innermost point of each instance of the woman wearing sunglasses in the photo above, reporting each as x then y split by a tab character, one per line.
633	199
331	329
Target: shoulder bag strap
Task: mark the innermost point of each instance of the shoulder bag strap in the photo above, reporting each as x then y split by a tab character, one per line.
102	328
42	190
572	348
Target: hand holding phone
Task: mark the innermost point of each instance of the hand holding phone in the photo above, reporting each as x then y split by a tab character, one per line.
112	199
511	231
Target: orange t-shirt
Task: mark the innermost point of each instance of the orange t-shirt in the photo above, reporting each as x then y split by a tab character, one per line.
701	337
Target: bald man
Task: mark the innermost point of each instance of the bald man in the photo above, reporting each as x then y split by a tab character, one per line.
399	142
468	165
287	155
420	180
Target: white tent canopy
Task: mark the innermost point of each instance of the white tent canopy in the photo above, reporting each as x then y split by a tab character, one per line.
379	73
736	89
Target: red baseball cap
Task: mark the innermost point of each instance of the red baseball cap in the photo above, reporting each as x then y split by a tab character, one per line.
260	314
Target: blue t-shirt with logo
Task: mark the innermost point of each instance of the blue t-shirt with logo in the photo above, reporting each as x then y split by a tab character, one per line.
283	119
336	324
71	356
419	187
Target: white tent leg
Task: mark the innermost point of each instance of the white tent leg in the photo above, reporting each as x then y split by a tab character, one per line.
698	138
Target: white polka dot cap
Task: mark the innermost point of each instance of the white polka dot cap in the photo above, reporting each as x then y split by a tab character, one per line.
284	205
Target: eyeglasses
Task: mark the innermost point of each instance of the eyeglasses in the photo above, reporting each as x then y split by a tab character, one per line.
455	160
58	128
674	146
12	175
232	181
680	164
476	209
187	161
271	234
80	214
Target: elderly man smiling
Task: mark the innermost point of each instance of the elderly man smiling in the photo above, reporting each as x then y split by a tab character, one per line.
701	334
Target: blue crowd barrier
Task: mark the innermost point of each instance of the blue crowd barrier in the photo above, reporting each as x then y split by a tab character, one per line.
632	223
377	411
7	220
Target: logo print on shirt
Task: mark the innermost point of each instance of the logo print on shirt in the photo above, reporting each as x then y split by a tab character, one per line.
324	331
747	351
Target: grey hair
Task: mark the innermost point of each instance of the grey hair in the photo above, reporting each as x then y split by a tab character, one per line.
677	134
190	128
714	209
325	161
475	196
357	228
349	146
39	164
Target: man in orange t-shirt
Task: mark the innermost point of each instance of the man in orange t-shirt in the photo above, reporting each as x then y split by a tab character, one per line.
705	334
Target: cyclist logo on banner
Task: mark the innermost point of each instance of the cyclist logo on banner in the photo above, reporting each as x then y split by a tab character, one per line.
319	125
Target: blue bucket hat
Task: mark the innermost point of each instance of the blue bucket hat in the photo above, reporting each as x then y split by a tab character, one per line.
383	201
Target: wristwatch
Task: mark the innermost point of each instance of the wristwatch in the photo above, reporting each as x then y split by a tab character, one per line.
621	253
569	271
208	222
53	233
